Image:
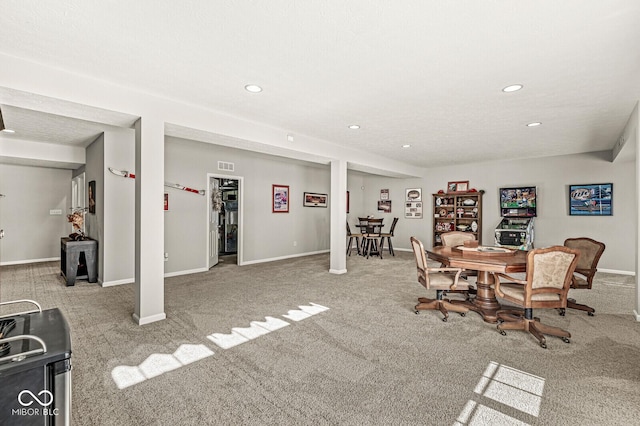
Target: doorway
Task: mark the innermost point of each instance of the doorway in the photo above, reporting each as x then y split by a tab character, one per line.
224	220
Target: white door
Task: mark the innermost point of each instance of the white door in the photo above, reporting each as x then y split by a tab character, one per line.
214	188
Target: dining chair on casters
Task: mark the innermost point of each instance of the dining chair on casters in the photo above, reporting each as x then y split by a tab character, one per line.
439	279
454	239
590	252
351	237
388	236
548	279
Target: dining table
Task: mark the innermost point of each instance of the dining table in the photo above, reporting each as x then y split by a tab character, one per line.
487	261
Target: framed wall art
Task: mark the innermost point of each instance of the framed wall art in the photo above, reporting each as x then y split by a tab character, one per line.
280	198
594	199
92	197
166	202
413	194
384	206
313	199
458	186
413	209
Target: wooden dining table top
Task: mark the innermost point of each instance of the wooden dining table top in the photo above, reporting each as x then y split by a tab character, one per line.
515	261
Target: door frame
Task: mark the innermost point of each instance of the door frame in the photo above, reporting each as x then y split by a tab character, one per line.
240	180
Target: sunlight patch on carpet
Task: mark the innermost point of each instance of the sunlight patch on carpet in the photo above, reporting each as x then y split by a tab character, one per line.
505	385
157	364
256	329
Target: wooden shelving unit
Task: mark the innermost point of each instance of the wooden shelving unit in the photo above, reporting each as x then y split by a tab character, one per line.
459	211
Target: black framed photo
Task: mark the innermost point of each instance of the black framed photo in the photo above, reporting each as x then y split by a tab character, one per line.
92	197
313	199
593	199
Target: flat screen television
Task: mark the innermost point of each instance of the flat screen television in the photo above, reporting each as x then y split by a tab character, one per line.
518	201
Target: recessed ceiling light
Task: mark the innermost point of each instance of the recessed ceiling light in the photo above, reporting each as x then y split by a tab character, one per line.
253	88
8	131
406	145
534	124
354	126
512	88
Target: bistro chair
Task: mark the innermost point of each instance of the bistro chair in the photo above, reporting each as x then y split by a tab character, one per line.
353	236
590	252
372	237
439	279
454	239
388	236
549	275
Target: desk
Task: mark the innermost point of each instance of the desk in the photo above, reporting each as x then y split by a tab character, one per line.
70	251
485	302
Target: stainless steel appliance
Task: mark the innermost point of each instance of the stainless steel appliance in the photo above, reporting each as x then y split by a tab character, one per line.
35	368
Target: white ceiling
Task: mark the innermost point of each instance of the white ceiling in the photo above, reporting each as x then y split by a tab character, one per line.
425	73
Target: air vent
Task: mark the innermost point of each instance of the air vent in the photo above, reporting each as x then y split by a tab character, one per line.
226	166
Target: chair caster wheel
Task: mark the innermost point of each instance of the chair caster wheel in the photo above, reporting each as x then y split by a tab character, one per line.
562	312
444	319
543	345
566	340
504	333
416	312
590	313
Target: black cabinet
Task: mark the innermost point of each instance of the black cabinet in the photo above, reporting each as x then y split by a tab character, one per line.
78	259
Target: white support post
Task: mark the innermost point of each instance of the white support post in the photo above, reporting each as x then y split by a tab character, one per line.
338	261
149	220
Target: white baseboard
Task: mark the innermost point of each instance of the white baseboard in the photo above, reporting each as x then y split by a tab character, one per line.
185	272
402	249
615	271
337	271
116	282
273	259
637	315
149	319
23	262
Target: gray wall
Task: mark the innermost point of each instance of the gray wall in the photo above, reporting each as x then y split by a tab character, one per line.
265	235
113	225
552	176
31	233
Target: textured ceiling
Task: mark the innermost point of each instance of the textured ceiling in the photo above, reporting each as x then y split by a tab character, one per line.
424	73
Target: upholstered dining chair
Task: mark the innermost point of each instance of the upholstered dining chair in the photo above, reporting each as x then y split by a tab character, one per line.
388	236
454	239
439	279
372	238
590	252
351	237
549	275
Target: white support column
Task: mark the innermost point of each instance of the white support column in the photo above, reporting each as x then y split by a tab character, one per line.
149	245
338	261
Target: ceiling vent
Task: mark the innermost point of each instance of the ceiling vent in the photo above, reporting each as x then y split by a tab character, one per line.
226	166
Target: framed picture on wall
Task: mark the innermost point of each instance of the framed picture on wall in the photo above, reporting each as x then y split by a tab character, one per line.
413	194
460	186
594	199
166	202
384	206
280	198
92	197
312	199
